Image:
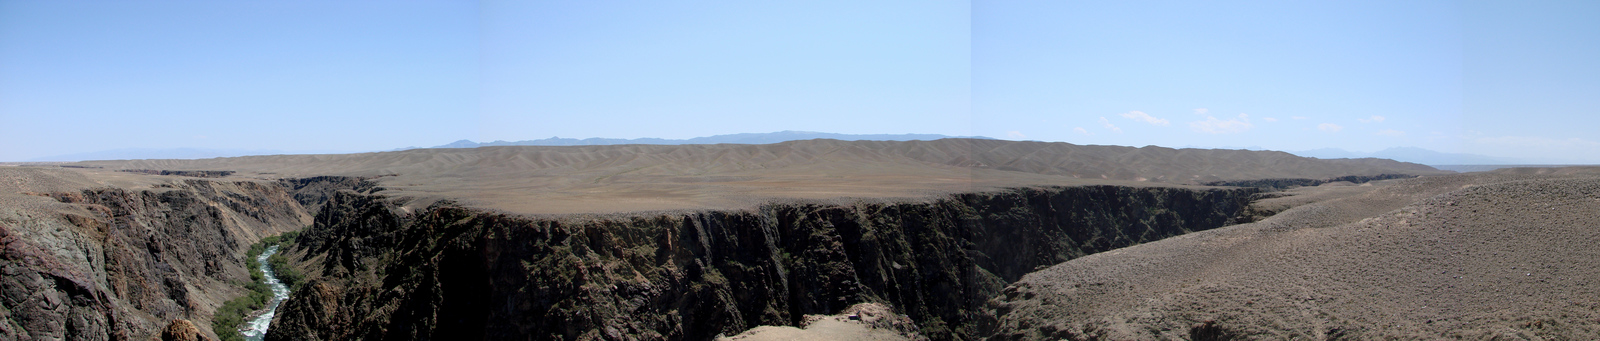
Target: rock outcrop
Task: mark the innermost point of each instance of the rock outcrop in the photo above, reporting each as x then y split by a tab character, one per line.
446	270
120	263
118	252
190	173
1283	183
1507	256
312	192
182	330
866	322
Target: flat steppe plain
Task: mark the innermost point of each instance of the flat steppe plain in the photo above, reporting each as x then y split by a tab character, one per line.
633	178
1506	255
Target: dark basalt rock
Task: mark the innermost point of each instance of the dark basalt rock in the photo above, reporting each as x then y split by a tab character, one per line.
147	257
182	330
189	173
1284	183
312	192
453	272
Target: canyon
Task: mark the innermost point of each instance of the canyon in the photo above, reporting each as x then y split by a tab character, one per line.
120	257
1505	255
448	270
684	242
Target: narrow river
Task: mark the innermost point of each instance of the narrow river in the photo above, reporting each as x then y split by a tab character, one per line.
257	328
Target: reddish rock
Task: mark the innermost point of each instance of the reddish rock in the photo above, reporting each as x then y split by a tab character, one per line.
182	330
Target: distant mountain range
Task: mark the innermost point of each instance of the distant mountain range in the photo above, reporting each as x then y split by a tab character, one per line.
748	138
1406	154
1415	155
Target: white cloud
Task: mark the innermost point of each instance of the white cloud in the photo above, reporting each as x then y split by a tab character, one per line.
1141	116
1015	135
1212	125
1269	119
1298	117
1107	123
1202	111
1080	130
1374	118
1330	127
1390	132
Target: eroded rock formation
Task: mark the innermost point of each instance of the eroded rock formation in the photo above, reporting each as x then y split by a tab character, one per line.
448	270
120	263
182	330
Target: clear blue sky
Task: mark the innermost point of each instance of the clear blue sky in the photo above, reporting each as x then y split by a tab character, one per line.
1494	78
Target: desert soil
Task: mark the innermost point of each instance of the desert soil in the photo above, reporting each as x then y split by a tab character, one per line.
1507	255
866	321
633	178
1185	277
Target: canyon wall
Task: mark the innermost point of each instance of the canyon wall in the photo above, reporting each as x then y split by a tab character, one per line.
380	272
1285	183
121	263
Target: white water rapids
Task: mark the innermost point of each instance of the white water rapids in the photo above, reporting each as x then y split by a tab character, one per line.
257	328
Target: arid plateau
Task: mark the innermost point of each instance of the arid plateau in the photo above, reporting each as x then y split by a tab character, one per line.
951	239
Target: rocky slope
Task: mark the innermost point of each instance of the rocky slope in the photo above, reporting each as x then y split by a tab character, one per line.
448	270
89	260
1506	256
741	235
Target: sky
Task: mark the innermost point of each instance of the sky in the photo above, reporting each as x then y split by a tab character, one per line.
1507	79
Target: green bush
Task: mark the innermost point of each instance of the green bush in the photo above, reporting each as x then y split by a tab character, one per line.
288	275
232	314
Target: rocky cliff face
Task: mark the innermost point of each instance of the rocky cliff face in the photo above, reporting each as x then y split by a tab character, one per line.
1284	183
461	273
115	263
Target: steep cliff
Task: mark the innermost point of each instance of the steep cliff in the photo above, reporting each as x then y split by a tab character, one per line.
1479	256
1283	183
121	263
462	273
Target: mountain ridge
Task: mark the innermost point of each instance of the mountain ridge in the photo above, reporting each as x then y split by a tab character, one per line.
1414	155
741	138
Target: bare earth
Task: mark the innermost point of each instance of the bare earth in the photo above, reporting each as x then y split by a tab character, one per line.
1509	255
631	178
1395	258
866	322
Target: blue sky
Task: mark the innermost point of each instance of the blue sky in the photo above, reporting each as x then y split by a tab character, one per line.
1495	78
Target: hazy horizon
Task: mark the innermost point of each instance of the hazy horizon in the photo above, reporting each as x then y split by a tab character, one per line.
1498	79
1404	154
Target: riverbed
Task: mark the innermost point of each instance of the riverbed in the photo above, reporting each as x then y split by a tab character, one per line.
256	328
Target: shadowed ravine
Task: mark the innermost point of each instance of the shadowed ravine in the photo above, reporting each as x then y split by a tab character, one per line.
448	270
599	242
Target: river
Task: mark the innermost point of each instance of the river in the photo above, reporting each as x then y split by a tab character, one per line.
257	327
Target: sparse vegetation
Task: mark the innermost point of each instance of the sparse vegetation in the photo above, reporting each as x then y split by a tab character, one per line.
288	275
232	314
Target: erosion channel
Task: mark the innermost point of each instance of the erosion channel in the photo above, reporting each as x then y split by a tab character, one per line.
257	327
376	270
